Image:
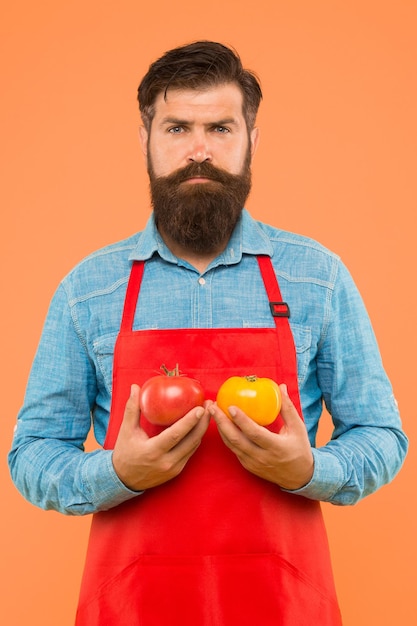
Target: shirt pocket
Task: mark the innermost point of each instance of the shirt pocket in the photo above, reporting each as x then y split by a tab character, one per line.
302	340
104	353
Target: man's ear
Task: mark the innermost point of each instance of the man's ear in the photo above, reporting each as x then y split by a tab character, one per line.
143	139
254	140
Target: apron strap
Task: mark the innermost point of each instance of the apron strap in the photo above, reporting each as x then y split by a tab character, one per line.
279	309
132	294
281	312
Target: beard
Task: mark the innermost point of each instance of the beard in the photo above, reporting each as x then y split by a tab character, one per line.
200	217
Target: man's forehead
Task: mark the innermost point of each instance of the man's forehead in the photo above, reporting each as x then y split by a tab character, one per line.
221	97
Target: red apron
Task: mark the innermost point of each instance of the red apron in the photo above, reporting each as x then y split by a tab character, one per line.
216	546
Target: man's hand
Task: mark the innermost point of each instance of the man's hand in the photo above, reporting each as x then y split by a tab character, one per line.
284	458
142	462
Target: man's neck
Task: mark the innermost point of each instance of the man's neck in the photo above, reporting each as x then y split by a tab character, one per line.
200	261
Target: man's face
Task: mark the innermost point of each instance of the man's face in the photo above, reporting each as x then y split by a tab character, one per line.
198	153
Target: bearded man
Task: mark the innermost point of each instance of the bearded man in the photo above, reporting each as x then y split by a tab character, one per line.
214	520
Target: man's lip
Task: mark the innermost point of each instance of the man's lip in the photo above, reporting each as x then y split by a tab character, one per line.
197	179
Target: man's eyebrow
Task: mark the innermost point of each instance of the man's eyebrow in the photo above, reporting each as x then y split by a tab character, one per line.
226	122
174	120
179	122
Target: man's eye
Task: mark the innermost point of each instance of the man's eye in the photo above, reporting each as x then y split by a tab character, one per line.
221	129
175	130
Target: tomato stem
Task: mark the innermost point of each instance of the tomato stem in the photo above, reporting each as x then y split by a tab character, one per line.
252	378
167	372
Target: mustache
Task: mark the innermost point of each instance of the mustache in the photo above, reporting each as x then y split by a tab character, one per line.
195	170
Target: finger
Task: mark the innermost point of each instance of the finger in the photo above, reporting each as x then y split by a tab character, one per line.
172	436
130	429
182	451
250	432
189	444
289	413
224	423
132	411
231	433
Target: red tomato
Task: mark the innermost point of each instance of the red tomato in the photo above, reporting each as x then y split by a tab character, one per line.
259	398
165	399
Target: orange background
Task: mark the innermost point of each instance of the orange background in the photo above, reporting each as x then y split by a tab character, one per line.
337	162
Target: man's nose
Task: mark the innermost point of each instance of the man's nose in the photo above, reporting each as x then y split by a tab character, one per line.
199	150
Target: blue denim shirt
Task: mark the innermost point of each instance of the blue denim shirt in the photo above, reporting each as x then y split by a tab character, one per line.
338	362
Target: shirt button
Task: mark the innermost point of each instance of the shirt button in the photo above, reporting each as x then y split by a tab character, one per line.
201	281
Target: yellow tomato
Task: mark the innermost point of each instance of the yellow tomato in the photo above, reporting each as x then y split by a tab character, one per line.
259	398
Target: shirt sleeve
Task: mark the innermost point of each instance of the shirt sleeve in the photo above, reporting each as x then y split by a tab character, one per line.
368	445
47	460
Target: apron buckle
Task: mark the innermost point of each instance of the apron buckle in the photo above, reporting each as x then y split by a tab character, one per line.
279	309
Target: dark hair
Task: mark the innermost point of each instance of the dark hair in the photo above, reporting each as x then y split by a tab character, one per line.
198	65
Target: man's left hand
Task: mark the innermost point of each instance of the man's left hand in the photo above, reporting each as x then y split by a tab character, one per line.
284	458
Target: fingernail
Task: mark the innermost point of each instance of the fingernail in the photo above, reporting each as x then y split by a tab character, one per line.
232	412
284	389
199	413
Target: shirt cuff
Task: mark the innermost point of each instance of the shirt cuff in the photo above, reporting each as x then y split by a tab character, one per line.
328	477
101	481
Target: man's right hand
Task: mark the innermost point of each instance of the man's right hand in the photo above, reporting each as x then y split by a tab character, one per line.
142	462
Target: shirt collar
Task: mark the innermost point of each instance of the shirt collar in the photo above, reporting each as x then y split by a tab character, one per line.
248	237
